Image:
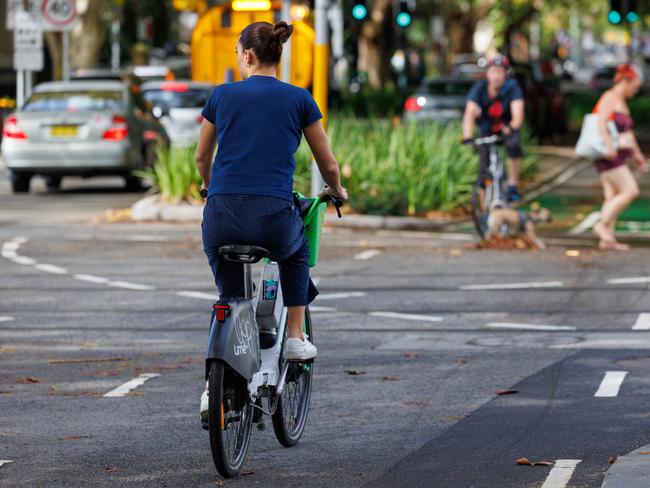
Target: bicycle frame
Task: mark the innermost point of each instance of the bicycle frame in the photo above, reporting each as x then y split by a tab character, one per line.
493	193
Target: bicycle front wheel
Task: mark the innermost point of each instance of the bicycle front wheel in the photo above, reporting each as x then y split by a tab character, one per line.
290	415
230	419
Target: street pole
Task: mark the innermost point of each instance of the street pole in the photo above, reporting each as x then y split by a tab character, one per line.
115	45
28	84
66	56
321	75
20	88
286	52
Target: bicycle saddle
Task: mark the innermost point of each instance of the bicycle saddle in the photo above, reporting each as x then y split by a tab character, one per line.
242	253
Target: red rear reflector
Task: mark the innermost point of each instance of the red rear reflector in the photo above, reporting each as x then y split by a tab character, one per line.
221	312
412	105
116	134
174	86
10	129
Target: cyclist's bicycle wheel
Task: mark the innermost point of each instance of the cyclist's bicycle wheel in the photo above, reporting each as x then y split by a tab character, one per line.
230	418
480	213
290	415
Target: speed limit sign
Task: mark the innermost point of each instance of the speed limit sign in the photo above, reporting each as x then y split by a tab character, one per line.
58	15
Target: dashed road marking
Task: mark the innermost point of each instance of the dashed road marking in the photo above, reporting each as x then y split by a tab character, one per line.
6	318
611	384
5	461
561	473
508	325
50	268
369	254
338	296
629	281
587	223
130	286
198	294
25	261
91	278
322	309
514	286
123	389
642	322
406	316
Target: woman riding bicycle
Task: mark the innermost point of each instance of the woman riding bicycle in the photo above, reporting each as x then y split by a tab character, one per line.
258	124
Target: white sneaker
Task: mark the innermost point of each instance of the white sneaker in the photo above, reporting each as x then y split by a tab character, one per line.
204	408
299	350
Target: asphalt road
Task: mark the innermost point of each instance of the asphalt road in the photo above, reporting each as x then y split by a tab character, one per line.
414	342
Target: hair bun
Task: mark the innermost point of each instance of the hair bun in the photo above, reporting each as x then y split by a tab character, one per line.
282	31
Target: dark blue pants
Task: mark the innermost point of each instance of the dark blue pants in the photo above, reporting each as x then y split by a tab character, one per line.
269	222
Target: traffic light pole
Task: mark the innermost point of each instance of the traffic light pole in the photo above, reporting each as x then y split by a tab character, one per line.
321	76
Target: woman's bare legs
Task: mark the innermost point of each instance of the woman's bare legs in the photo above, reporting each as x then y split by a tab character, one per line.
620	189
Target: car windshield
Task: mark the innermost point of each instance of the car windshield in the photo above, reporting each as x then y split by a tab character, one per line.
74	101
453	88
166	99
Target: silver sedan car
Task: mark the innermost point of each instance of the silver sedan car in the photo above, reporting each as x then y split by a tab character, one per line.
439	99
178	104
80	128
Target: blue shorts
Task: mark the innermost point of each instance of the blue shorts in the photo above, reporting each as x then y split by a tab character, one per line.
269	222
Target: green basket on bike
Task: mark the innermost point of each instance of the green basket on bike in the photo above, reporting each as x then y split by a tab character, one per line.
313	223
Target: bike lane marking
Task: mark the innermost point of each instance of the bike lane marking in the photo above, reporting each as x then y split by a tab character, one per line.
50	268
406	316
508	325
642	322
125	388
561	473
5	461
100	280
130	286
338	296
6	318
369	254
198	294
514	286
629	281
587	223
611	384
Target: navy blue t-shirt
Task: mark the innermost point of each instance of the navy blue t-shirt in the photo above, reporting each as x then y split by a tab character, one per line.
495	112
259	127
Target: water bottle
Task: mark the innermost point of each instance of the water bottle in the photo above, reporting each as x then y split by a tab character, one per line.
269	304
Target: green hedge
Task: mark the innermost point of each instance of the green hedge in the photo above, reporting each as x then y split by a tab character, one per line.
582	103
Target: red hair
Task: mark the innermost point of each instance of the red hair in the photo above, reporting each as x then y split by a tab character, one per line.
625	72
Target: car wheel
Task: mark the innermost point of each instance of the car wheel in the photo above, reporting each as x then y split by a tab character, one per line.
53	182
20	182
133	183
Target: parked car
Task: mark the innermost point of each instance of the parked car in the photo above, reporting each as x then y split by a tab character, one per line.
440	99
178	105
80	128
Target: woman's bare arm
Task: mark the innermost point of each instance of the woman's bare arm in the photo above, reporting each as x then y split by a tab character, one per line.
320	148
205	151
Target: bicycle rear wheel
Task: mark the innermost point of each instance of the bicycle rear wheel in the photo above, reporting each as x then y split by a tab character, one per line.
230	419
290	415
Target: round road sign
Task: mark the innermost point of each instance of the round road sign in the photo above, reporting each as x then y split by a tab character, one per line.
59	13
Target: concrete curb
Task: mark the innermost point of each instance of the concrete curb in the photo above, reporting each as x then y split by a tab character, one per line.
151	208
378	222
630	471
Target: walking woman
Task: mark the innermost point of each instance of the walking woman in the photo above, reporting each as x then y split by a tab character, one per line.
619	185
258	123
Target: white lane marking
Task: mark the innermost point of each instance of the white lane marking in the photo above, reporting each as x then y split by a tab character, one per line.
5	461
336	296
629	281
322	309
23	260
10	246
587	223
91	278
50	268
508	325
20	240
406	316
369	254
123	389
198	294
611	384
514	286
130	286
642	322
561	473
6	318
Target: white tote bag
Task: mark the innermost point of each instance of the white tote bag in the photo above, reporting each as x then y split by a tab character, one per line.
591	144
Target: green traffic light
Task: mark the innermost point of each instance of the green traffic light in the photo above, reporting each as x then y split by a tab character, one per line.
359	12
403	19
614	17
632	17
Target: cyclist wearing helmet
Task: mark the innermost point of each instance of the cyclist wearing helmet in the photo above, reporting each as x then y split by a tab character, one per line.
497	105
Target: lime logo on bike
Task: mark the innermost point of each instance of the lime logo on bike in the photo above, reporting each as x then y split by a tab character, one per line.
244	334
270	289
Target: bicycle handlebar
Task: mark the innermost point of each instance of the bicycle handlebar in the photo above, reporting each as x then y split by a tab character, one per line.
484	141
337	202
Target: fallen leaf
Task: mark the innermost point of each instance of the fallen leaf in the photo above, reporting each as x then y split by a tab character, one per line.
506	392
111	469
389	378
572	253
462	361
354	372
410	354
246	473
524	462
25	381
67	438
612	459
416	403
543	463
52	391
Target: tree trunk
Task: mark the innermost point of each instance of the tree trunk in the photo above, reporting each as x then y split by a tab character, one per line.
86	43
374	44
54	43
